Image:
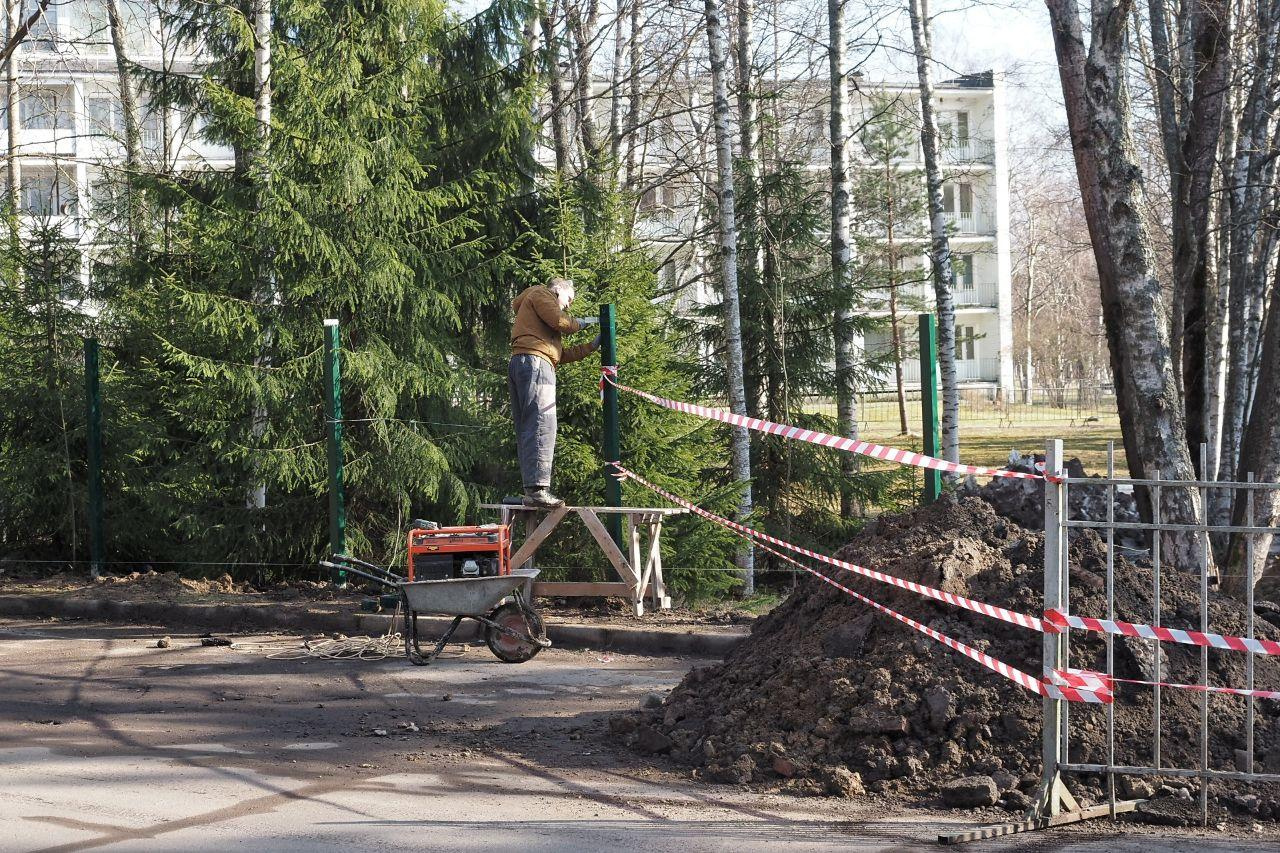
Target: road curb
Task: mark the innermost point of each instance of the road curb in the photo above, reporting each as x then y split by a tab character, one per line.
569	636
228	617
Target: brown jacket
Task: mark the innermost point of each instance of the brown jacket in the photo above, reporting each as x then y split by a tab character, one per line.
539	325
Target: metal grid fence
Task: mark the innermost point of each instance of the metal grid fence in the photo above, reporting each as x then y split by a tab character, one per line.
1163	549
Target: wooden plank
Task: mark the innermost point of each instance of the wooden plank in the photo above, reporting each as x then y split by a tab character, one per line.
634	541
536	538
570	589
602	510
606	543
654	565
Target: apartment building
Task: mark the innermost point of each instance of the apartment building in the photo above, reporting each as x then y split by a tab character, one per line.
68	129
677	159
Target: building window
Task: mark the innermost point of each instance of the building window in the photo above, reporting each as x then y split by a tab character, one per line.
965	343
963	266
46	109
44	32
105	118
47	192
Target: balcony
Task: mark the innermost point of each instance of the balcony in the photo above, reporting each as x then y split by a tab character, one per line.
971	223
982	294
969	151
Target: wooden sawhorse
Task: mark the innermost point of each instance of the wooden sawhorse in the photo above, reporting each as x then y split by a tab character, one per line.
640	572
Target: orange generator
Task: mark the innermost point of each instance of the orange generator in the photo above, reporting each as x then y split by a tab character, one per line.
443	553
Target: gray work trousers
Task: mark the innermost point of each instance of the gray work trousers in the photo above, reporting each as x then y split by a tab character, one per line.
532	382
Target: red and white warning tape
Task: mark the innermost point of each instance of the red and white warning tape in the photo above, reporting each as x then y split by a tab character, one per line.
1100	680
864	448
1063	621
607	372
1001	613
1069	692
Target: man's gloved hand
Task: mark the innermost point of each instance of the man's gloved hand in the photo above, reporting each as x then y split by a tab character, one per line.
583	322
595	343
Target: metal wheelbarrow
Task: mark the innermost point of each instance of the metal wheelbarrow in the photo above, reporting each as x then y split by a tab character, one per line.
513	630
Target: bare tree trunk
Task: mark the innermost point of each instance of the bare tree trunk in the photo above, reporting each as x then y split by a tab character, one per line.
584	36
895	333
555	86
1260	456
265	294
1246	195
129	111
615	94
842	250
12	103
729	271
1094	91
944	280
633	98
1028	310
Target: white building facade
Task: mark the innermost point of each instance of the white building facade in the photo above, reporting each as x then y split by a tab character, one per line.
66	135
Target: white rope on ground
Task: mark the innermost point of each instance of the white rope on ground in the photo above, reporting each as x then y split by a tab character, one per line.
390	644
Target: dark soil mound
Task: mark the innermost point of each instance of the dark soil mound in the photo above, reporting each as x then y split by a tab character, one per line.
825	686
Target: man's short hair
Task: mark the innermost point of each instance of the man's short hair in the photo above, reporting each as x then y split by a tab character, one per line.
561	284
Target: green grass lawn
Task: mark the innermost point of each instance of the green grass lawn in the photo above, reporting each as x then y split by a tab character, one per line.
986	442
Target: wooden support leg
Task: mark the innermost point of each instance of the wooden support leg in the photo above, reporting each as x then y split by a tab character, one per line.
659	583
633	538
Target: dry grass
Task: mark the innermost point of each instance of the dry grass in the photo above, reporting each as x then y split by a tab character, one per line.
989	444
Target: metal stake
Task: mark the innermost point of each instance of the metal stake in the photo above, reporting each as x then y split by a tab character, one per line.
333	423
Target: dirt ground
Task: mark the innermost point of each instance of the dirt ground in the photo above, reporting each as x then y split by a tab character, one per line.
150	585
109	743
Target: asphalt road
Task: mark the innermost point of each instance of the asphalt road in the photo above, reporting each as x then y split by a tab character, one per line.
108	743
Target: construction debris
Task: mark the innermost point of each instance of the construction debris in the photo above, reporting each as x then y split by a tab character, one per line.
825	686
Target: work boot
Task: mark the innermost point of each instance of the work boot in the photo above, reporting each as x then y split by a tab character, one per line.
541	497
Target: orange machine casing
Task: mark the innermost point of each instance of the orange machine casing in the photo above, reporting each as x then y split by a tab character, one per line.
434	552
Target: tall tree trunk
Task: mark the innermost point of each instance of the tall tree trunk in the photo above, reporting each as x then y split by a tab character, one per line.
1028	312
1246	196
616	92
129	113
11	103
728	237
1260	456
265	290
944	280
555	86
633	98
584	32
1151	415
842	250
895	332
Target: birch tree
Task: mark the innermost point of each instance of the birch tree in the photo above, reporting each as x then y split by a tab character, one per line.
728	239
1151	414
264	285
841	245
11	99
940	245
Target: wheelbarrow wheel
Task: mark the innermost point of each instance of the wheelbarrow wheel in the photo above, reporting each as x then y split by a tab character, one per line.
509	649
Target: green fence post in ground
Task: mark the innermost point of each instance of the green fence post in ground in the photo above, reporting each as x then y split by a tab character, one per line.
333	424
929	403
612	439
93	442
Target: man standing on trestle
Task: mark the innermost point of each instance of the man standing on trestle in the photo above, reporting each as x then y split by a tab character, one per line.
536	352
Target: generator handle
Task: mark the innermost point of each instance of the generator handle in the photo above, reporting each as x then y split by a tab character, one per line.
356	566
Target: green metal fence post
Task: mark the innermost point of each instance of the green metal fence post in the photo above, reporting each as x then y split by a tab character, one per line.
612	439
929	403
333	424
93	442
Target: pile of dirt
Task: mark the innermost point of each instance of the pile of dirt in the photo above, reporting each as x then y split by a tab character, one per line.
164	584
826	695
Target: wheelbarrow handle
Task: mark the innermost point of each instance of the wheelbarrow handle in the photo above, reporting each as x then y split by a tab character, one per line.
345	563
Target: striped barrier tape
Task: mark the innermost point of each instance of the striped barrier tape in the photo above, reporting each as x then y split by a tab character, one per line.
864	448
1062	621
1090	679
1001	613
608	372
1071	693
